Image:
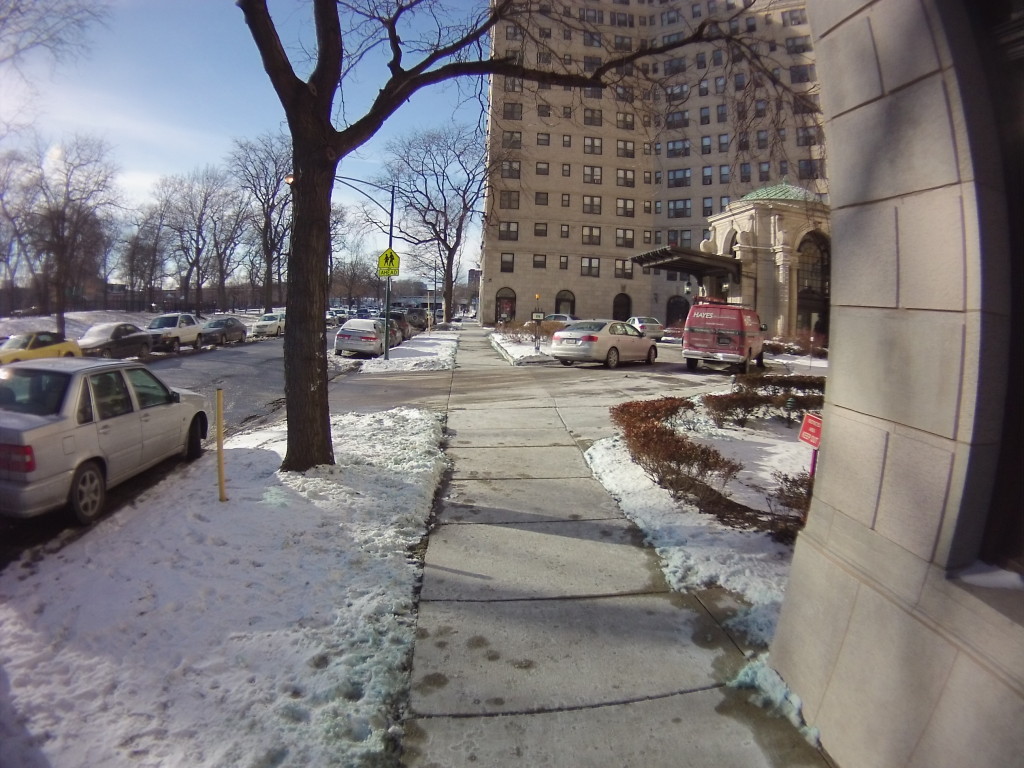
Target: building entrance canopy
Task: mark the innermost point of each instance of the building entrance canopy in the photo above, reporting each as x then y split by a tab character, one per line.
676	258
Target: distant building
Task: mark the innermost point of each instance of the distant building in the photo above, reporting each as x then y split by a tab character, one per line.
587	180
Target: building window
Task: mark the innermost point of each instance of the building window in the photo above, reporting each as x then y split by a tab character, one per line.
810	169
622	43
723	203
540	261
624	206
512	139
543	139
722	113
801	73
807	137
563	262
723	142
647	239
744	172
591	174
707	206
625	121
591	235
763	172
760	107
625	148
540	198
567	113
677	148
508	230
679	177
508	199
590	266
625	177
563	230
623	269
592	145
510	169
591	63
686	238
707	175
743	142
720	85
591	204
762	139
794	18
723	174
566	140
592	39
566	200
512	110
705	145
540	229
543	110
508	261
513	84
705	115
542	169
624	238
566	169
512	32
783	168
798	44
680	209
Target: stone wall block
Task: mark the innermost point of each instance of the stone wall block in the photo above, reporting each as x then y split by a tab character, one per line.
887	680
903	39
867	276
853	54
931	247
850	465
826	14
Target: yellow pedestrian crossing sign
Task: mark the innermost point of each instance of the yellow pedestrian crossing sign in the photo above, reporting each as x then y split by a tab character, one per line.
387	264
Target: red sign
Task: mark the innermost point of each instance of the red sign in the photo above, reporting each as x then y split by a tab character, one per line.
810	430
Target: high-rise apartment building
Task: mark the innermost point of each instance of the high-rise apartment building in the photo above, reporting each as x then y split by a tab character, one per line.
584	179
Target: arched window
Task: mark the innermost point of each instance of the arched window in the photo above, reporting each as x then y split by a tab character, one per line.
565	303
622	307
813	283
504	305
676	310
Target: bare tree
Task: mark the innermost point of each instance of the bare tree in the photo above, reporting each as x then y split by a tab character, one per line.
438	177
229	228
424	43
144	256
70	189
260	167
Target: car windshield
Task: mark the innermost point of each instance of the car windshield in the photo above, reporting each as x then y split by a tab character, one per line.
269	318
17	342
98	332
31	391
216	323
164	322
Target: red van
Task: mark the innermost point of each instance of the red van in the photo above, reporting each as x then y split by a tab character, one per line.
723	333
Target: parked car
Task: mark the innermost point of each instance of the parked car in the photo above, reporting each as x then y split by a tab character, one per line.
270	324
224	329
116	340
602	341
363	336
648	326
173	330
402	322
719	332
417	317
559	318
36	344
70	428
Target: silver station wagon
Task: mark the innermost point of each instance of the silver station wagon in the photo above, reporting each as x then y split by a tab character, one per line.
72	427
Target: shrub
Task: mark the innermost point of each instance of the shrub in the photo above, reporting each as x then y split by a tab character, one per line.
739	405
793	492
777	384
662	409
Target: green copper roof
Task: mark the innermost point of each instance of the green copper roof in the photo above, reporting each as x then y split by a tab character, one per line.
783	191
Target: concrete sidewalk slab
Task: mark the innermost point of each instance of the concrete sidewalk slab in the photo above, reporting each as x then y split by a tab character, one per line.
464	437
514	561
715	728
498	501
475	658
541	417
513	463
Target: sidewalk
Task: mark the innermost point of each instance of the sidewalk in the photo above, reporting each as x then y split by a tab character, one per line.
546	633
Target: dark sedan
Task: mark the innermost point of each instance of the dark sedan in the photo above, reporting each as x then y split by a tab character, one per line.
115	340
225	329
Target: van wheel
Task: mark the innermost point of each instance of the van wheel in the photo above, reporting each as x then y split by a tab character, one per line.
652	355
175	346
194	441
760	359
612	361
565	362
745	365
88	492
692	363
199	342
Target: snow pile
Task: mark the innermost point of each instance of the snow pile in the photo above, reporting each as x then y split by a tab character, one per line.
772	693
272	629
434	351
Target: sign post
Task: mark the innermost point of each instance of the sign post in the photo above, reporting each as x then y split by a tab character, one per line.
388	264
810	433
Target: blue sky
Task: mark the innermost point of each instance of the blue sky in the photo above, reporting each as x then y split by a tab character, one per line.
169	84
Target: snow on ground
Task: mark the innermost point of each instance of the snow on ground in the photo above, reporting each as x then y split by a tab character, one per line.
274	629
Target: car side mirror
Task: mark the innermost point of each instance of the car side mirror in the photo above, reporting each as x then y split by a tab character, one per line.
175	397
764	326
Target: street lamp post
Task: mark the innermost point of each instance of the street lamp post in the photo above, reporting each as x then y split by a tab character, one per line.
350	182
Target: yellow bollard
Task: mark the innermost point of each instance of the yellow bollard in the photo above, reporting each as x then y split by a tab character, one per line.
220	444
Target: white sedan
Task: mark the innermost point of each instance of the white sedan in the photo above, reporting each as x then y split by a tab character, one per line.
270	324
602	341
361	336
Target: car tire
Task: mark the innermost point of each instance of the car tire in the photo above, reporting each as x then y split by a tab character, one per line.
692	363
194	441
760	359
175	346
198	342
612	360
745	365
277	331
566	362
106	353
88	492
652	355
143	351
69	354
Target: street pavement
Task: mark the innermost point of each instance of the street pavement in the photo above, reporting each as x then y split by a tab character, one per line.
546	634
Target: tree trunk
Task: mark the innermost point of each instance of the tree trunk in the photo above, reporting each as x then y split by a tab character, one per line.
305	335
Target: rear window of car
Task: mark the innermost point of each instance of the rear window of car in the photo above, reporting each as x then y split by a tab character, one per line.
28	391
585	326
